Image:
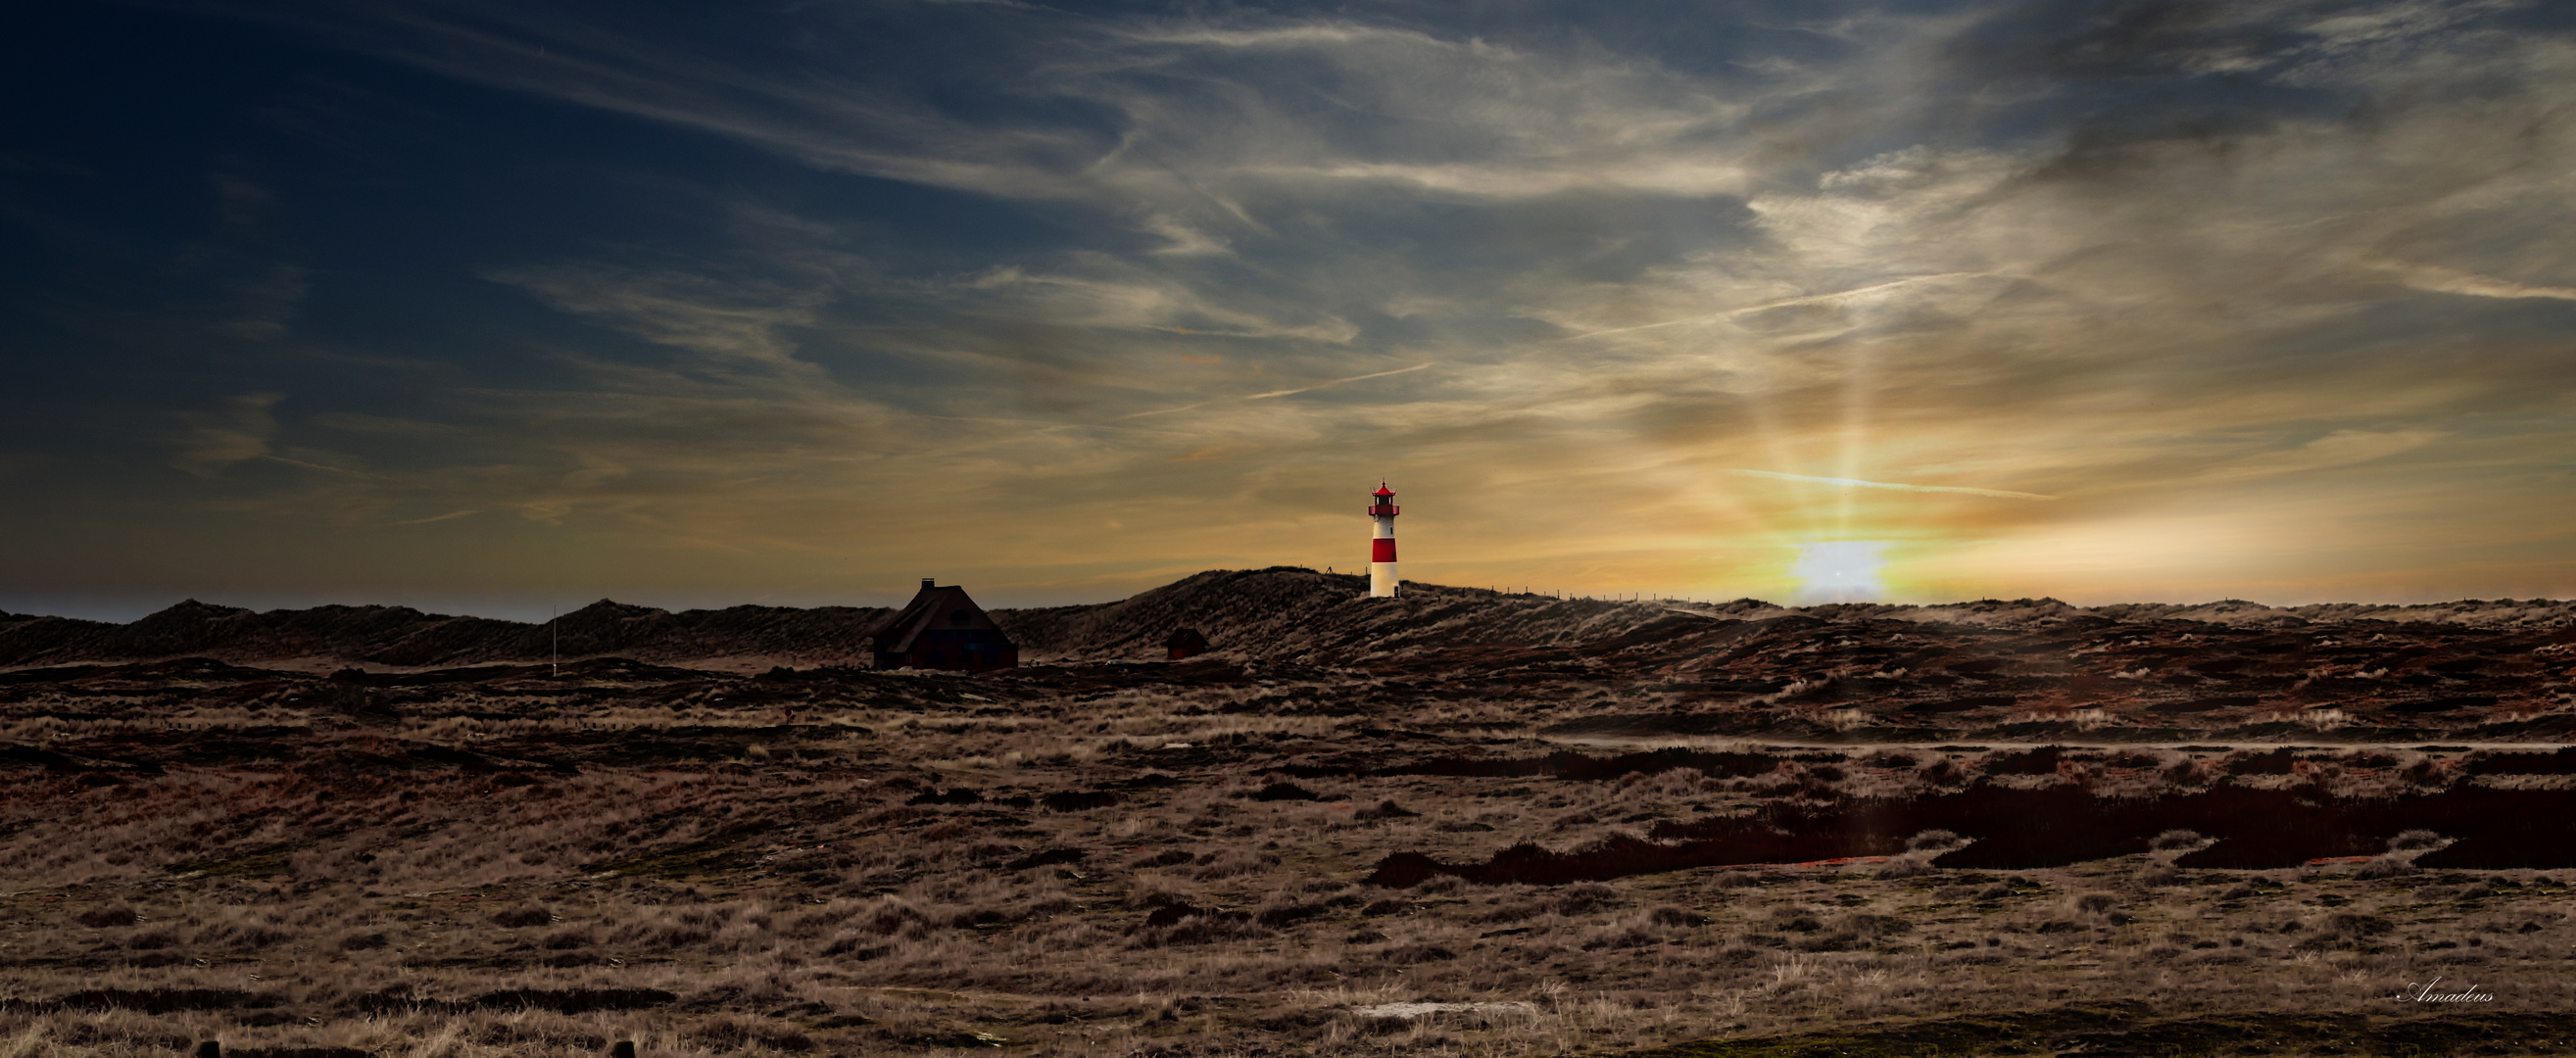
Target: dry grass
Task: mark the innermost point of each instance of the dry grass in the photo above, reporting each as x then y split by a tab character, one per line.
885	875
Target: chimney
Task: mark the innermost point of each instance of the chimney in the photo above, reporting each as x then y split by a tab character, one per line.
928	583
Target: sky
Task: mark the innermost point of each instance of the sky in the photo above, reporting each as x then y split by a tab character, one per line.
497	307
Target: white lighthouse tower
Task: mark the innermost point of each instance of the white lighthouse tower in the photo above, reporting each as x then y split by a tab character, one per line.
1382	511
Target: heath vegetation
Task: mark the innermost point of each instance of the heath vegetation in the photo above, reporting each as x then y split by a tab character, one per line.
1548	851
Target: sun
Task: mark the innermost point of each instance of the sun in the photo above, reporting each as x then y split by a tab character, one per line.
1839	571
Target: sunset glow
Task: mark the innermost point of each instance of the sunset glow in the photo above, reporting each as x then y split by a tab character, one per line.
1839	571
500	306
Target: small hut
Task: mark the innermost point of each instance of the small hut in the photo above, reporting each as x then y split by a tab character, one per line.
1186	642
943	629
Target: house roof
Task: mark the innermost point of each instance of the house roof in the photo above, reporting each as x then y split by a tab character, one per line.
931	607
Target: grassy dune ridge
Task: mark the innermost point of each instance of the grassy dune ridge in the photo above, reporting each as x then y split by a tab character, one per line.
1209	857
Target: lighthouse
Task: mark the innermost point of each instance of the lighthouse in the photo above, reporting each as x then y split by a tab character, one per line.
1382	511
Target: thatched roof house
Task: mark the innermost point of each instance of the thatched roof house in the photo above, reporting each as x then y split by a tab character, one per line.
943	629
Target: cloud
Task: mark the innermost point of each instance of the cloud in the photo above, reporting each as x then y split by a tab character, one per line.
2337	449
1334	382
242	203
269	302
1117	296
721	319
2109	252
2440	280
1831	298
1322	34
1328	384
436	518
1893	486
216	440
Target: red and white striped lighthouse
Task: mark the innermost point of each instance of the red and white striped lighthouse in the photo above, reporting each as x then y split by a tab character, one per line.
1382	511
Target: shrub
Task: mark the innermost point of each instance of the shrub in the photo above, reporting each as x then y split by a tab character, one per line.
1677	917
1872	926
1631	935
1077	801
1384	810
523	916
1443	885
2176	839
739	1034
1285	791
1202	929
243	935
107	917
2347	924
857	947
1585	897
890	917
1288	914
1838	940
1234	862
2411	840
973	917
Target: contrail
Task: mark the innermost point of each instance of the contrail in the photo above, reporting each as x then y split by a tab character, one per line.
1335	382
1276	392
1898	486
1803	299
2442	280
436	518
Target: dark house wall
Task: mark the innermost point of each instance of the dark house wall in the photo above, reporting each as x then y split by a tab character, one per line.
941	648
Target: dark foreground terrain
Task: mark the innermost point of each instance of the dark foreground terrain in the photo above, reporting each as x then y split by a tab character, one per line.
1460	822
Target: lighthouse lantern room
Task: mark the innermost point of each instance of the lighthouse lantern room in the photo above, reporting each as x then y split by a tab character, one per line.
1382	511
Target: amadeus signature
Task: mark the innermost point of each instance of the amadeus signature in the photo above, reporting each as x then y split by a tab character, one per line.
2425	993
